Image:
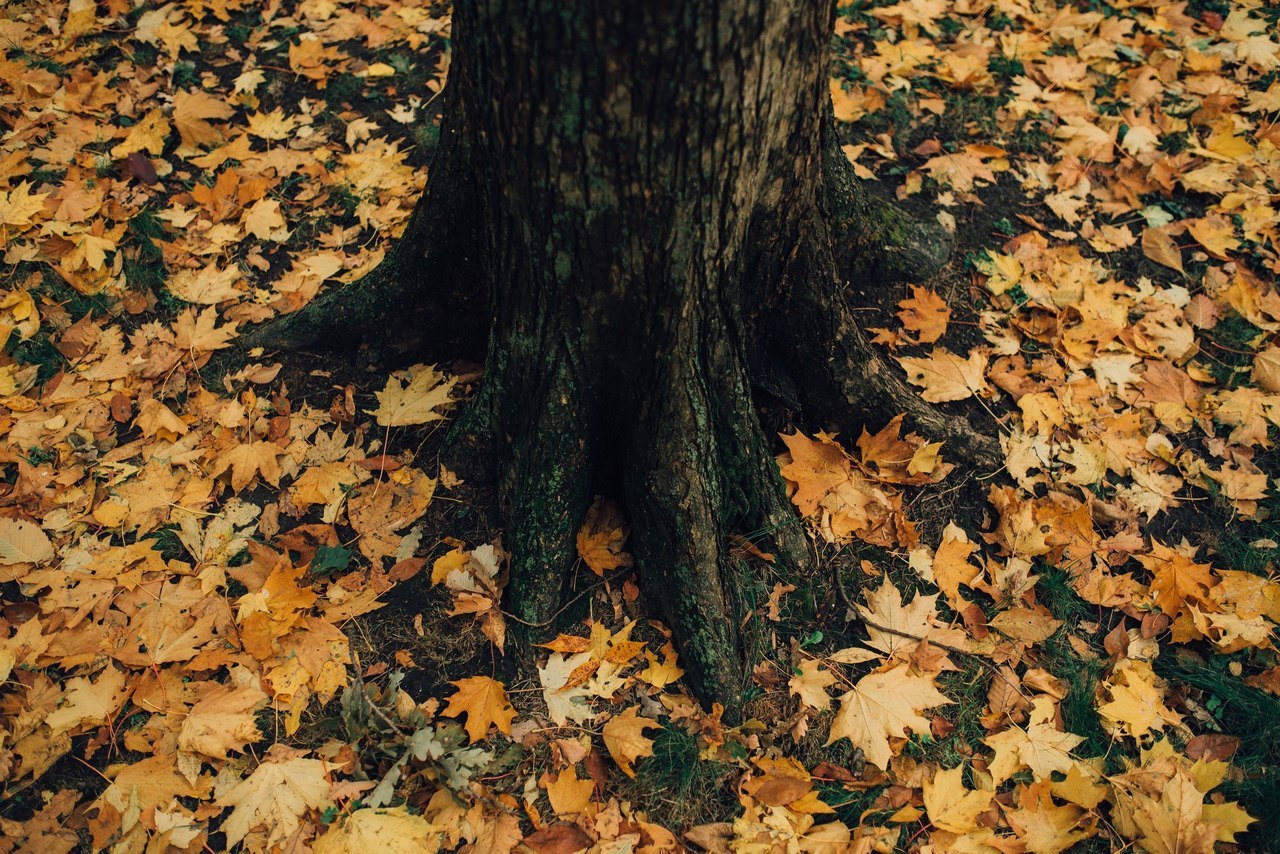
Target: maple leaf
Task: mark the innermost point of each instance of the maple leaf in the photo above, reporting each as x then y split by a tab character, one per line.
603	537
951	566
893	459
565	702
413	396
191	113
1137	701
275	796
89	702
1045	827
391	830
484	701
944	376
960	171
1216	234
247	461
149	134
274	125
1176	579
950	805
200	334
811	684
662	673
208	285
156	419
884	704
826	485
624	737
19	206
264	221
567	794
1041	746
924	313
326	484
917	618
222	721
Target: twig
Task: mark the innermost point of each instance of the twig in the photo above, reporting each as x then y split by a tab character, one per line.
566	606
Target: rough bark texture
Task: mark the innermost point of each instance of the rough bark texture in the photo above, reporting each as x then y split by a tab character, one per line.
648	169
655	201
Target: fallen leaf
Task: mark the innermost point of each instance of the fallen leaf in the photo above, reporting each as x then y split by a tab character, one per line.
625	739
484	701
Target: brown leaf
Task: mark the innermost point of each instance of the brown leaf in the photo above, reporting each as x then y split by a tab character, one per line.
1158	245
558	839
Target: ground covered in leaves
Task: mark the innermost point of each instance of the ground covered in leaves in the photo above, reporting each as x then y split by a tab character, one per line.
252	609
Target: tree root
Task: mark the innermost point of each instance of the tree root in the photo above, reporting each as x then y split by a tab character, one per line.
874	240
691	482
841	377
545	489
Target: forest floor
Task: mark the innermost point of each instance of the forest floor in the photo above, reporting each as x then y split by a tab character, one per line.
254	610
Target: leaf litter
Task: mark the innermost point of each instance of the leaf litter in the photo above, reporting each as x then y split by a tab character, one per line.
183	571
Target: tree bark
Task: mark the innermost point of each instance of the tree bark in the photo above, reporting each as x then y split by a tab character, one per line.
654	199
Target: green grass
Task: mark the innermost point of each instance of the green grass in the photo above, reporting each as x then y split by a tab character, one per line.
1230	350
1079	707
1254	717
678	789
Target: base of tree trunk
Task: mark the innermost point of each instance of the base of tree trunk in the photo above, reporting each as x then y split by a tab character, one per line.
655	225
689	481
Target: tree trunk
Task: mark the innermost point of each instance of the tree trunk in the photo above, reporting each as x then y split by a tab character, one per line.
652	193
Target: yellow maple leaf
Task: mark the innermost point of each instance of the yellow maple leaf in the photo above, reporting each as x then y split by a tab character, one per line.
950	805
264	221
394	830
414	396
247	461
484	701
1137	701
200	334
192	112
883	704
662	673
811	684
924	313
148	135
20	207
624	737
602	538
1045	827
567	794
208	285
274	125
326	483
275	797
951	566
944	376
1041	746
1177	580
222	721
89	702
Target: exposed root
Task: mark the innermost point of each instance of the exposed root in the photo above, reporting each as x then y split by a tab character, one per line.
842	378
545	489
874	240
699	474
